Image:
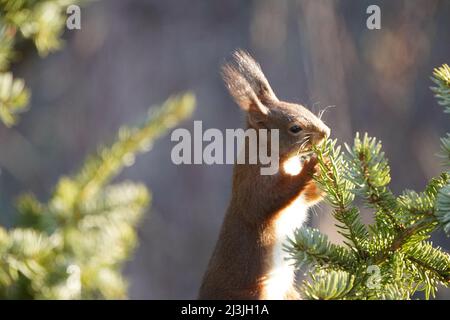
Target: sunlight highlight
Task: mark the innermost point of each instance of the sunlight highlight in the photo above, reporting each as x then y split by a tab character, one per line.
293	166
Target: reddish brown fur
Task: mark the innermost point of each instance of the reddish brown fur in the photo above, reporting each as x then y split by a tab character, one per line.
241	260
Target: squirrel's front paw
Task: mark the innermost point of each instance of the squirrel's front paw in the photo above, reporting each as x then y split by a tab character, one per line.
312	193
310	167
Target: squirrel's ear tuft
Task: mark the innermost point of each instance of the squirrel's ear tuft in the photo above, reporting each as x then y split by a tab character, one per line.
241	90
247	84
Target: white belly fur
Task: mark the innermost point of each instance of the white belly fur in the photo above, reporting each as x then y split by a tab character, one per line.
281	275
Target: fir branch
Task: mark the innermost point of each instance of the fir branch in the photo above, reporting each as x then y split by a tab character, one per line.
396	244
370	173
126	196
310	247
441	77
101	168
26	254
14	98
445	150
416	206
41	21
92	234
337	188
421	207
433	263
6	46
393	291
443	208
330	285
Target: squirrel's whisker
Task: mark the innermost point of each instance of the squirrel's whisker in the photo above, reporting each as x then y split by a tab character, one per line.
322	112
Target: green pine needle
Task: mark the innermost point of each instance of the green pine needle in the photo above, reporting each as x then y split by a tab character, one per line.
14	98
74	246
390	259
441	77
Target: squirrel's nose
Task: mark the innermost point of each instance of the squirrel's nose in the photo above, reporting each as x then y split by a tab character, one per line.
321	134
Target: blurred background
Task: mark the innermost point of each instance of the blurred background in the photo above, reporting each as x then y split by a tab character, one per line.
131	54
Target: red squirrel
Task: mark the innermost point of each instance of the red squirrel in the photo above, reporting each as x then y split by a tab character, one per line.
249	261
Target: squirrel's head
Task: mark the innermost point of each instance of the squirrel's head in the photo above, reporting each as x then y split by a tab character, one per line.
299	129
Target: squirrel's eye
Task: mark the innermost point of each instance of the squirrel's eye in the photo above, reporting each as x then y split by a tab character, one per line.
295	129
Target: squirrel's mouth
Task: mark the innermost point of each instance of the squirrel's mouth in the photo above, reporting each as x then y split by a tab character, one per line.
305	155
